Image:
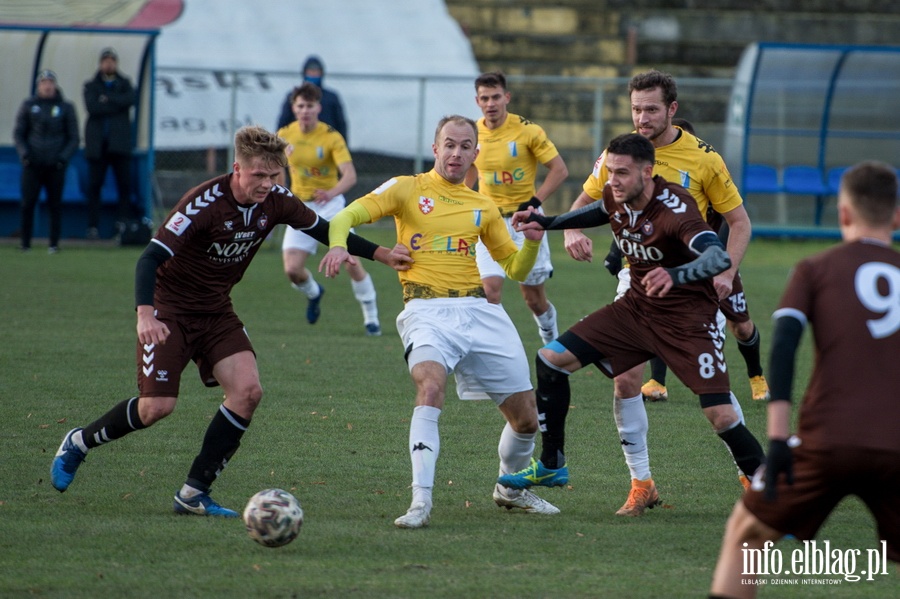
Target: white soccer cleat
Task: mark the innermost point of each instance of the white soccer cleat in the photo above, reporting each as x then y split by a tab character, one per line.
522	499
417	516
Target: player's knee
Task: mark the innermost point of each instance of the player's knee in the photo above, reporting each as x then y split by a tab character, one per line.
628	384
154	409
721	417
742	330
247	396
520	410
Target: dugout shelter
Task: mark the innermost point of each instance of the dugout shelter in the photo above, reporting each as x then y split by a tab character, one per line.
800	115
73	54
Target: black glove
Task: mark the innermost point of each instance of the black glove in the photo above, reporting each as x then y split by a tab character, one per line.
613	260
780	459
536	203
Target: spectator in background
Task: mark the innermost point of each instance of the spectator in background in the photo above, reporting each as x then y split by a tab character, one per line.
46	138
108	98
332	110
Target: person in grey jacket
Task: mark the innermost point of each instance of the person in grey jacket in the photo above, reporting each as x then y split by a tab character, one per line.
108	139
46	138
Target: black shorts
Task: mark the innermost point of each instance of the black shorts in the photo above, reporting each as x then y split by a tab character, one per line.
822	478
206	339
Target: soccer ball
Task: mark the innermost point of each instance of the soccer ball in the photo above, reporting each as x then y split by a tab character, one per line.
273	517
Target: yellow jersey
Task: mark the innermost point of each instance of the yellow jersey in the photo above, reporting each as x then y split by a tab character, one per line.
690	162
315	157
440	222
507	160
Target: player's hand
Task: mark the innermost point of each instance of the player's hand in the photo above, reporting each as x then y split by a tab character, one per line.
579	245
779	460
150	330
332	261
320	196
399	258
521	221
724	283
657	282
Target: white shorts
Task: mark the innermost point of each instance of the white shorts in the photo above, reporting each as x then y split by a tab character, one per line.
488	267
624	277
297	240
474	339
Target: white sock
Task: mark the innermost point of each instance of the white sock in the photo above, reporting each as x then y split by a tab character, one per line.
547	322
737	408
309	287
78	439
188	492
515	450
424	447
631	420
364	291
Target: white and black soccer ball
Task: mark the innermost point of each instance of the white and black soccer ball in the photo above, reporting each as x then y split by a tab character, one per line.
273	517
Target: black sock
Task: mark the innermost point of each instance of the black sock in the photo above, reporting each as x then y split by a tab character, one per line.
745	449
658	370
553	395
122	419
750	350
222	439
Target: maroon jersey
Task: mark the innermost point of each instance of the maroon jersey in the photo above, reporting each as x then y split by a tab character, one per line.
850	295
660	235
212	240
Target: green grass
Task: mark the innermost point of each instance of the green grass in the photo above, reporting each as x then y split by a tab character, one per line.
332	429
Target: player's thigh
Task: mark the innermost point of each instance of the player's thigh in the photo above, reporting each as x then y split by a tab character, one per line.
802	507
224	336
294	259
694	351
495	363
159	366
612	338
435	324
239	377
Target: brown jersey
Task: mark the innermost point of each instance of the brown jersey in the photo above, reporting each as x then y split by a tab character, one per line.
212	240
660	235
850	295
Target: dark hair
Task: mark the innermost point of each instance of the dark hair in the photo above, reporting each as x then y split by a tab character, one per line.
455	118
871	187
492	79
635	145
308	91
653	79
685	124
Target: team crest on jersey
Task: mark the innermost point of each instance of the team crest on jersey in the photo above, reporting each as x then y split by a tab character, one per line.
320	153
229	225
647	228
685	179
426	204
262	222
513	149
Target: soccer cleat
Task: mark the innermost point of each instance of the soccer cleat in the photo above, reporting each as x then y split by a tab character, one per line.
643	495
745	482
312	308
536	474
523	499
653	391
66	462
759	388
201	505
547	335
373	329
417	516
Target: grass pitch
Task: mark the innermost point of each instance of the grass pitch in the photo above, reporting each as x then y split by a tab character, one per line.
333	429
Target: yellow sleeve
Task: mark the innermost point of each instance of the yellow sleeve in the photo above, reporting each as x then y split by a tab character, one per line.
519	264
339	226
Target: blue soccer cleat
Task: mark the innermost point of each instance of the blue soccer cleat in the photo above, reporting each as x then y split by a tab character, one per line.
66	462
535	475
202	505
373	329
312	308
